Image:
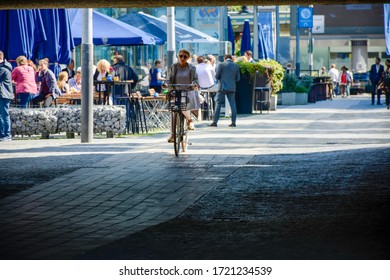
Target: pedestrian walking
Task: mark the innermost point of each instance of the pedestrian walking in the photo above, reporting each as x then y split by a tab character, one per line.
344	80
6	96
334	77
228	73
376	72
384	83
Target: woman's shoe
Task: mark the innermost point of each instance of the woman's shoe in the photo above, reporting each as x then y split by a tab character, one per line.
190	125
171	139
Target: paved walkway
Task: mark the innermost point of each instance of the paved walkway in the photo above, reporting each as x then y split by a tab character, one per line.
140	183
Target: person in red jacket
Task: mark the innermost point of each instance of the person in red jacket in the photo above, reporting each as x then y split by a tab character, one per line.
24	77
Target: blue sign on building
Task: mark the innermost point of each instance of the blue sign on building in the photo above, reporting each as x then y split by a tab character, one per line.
305	17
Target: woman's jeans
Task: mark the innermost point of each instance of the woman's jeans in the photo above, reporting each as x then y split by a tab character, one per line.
25	98
5	120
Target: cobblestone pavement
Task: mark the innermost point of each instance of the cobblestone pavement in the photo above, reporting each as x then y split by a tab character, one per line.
304	182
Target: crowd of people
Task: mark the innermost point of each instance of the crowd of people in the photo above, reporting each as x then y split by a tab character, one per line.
379	81
41	85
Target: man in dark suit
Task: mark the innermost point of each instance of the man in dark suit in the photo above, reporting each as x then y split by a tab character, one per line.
375	75
228	73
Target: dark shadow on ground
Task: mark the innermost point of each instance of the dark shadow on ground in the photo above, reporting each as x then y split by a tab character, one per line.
332	205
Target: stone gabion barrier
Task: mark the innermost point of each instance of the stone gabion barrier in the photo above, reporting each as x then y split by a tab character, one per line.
33	121
66	119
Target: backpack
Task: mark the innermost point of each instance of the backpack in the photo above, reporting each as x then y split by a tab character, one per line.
386	78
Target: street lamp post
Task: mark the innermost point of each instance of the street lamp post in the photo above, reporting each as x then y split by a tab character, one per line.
171	40
297	50
87	81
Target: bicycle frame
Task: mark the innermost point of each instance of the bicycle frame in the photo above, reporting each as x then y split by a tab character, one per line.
178	104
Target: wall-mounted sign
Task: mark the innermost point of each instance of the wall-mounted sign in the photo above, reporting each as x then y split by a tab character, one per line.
318	24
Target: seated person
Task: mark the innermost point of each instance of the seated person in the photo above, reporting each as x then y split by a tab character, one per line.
48	85
63	83
75	83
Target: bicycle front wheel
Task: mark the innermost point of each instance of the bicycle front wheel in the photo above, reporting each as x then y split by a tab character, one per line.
177	131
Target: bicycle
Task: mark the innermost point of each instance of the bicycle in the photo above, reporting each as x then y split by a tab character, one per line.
178	104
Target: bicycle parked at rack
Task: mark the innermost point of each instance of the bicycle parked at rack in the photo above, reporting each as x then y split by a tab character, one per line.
177	104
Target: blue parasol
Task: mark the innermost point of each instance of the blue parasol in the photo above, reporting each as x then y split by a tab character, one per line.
246	38
27	32
231	34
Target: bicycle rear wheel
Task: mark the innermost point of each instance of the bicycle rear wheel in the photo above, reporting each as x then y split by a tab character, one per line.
177	131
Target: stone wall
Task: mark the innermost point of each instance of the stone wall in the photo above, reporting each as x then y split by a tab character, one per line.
66	119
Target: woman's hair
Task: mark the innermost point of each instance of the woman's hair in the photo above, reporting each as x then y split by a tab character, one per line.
241	58
187	52
21	60
103	64
157	61
62	78
32	64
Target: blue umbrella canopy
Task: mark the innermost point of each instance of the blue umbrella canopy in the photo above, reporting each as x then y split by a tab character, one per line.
263	48
246	38
231	33
59	45
158	27
3	31
109	31
36	33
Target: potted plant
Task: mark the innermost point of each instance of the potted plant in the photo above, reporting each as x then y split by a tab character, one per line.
287	92
295	90
268	73
302	90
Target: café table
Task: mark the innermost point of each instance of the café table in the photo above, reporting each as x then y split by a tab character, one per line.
156	112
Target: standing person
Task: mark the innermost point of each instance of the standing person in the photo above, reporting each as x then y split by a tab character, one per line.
101	73
344	80
70	70
24	77
49	89
376	72
206	73
183	72
207	82
211	59
125	73
155	76
350	81
6	96
384	83
334	77
228	73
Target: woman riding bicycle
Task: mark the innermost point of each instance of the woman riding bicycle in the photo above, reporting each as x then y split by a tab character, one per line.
183	72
